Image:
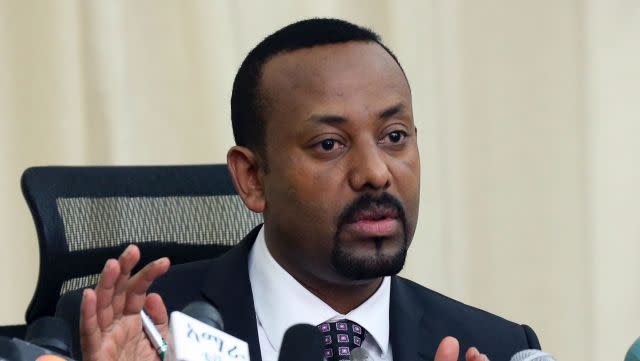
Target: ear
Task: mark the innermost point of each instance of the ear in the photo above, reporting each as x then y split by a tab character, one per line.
246	173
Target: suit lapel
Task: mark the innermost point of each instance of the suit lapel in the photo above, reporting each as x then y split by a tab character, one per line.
411	339
227	286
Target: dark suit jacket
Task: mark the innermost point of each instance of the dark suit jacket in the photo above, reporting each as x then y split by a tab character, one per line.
420	318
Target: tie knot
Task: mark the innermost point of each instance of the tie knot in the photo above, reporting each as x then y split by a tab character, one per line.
340	337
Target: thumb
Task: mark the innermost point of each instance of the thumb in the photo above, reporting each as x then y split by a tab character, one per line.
448	349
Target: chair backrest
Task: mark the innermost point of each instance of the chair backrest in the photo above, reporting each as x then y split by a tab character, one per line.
85	215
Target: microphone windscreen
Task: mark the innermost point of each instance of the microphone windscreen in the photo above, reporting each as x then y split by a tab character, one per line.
204	312
359	354
532	355
8	350
51	333
301	342
634	352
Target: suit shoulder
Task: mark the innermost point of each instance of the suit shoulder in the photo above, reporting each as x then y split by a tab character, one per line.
182	271
464	318
182	283
431	298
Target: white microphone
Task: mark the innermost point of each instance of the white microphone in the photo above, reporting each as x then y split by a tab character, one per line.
532	355
194	340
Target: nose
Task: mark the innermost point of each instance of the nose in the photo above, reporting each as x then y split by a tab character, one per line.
369	170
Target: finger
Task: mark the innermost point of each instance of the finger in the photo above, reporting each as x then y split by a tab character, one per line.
156	309
104	293
140	282
448	349
127	260
90	334
471	354
158	312
478	357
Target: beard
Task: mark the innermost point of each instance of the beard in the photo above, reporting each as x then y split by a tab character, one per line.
363	267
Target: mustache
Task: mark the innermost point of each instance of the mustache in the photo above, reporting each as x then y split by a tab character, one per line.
369	201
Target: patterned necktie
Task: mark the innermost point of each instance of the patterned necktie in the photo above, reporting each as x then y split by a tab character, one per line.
340	338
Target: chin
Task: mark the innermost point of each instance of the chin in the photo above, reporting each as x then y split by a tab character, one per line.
364	267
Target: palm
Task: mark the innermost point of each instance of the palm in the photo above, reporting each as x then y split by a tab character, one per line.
124	341
110	322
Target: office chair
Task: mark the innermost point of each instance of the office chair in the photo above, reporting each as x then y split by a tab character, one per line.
85	215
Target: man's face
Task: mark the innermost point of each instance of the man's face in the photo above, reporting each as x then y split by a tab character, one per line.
341	193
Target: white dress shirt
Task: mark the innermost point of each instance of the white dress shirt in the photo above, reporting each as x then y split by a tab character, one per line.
281	302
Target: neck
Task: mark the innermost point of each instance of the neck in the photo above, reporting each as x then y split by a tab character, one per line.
342	298
340	293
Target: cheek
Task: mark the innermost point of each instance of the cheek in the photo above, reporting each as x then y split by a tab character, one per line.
305	190
316	190
409	166
407	177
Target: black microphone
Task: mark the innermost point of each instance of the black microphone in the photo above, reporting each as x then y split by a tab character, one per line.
51	333
20	350
204	312
8	350
301	342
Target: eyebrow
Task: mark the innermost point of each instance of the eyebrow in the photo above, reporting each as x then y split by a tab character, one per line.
391	111
338	119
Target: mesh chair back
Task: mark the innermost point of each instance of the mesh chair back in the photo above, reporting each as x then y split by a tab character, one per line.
85	215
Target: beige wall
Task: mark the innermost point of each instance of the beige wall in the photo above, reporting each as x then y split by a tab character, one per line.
512	135
529	135
613	173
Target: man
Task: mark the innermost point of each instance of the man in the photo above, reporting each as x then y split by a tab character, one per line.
327	151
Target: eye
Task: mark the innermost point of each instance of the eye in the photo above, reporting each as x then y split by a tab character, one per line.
394	137
328	145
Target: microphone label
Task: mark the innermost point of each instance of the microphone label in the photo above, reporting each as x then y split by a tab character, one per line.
194	340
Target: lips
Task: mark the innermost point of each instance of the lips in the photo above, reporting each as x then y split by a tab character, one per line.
376	221
370	216
375	213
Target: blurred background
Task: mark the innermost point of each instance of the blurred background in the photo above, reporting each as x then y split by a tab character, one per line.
529	119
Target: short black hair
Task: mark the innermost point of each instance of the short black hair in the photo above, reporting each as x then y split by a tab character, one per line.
246	117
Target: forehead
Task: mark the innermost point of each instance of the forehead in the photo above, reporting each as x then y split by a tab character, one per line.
345	75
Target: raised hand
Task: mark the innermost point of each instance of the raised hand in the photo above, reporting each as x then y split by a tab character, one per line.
110	322
449	349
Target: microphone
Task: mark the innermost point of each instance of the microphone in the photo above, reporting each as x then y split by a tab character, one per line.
51	333
532	355
8	351
47	338
359	354
201	337
204	312
301	342
20	350
634	352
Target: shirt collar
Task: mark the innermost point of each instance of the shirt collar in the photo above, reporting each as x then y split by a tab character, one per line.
281	302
